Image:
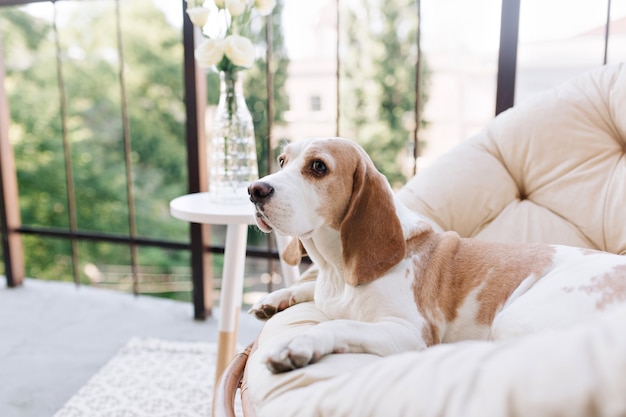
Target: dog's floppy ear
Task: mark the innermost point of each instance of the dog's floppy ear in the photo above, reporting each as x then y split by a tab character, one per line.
371	233
293	252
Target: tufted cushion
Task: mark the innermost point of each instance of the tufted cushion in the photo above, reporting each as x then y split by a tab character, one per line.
552	169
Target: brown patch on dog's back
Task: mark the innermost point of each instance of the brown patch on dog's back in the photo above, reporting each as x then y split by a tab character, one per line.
448	268
431	274
515	264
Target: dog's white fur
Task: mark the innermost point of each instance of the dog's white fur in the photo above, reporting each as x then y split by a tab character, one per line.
391	284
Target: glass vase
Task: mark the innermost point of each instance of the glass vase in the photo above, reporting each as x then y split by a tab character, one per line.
232	149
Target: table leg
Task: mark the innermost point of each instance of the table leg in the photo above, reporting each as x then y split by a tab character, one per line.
231	294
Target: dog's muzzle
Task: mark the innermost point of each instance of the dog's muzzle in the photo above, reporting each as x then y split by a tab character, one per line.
260	192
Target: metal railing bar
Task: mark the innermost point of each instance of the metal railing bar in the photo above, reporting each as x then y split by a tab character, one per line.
338	71
269	85
103	236
67	147
139	241
607	32
418	86
507	56
257	253
197	178
132	226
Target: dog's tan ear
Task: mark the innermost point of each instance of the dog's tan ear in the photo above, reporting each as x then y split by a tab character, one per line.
371	233
293	252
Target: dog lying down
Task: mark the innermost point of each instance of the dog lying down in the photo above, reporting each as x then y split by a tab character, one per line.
389	283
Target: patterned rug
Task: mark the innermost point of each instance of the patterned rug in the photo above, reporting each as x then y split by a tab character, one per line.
150	377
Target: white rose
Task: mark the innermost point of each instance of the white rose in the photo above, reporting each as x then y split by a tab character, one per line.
239	50
264	7
198	15
210	52
236	7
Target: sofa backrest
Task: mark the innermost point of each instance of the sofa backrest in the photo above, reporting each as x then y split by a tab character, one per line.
551	169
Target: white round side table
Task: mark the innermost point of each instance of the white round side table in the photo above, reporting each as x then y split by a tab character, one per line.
197	208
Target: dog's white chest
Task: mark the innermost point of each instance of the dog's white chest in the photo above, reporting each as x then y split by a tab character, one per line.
389	296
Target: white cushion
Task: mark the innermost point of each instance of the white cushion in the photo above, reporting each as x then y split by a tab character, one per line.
579	371
552	169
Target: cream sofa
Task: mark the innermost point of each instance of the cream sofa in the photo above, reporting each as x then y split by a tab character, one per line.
552	169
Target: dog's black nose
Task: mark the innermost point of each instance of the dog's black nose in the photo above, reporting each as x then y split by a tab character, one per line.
260	191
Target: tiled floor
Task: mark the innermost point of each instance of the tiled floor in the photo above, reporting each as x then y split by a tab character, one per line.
54	337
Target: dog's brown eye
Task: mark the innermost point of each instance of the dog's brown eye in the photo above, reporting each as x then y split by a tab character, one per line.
281	161
318	167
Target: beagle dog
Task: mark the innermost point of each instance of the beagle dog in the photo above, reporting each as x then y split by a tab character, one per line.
390	283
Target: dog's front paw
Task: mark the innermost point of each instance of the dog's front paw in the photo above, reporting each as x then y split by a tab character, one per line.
272	303
296	354
301	351
281	299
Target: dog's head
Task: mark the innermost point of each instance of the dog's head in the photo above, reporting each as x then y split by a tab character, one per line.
333	182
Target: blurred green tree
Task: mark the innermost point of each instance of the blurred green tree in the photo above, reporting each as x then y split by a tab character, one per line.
378	81
88	68
90	64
